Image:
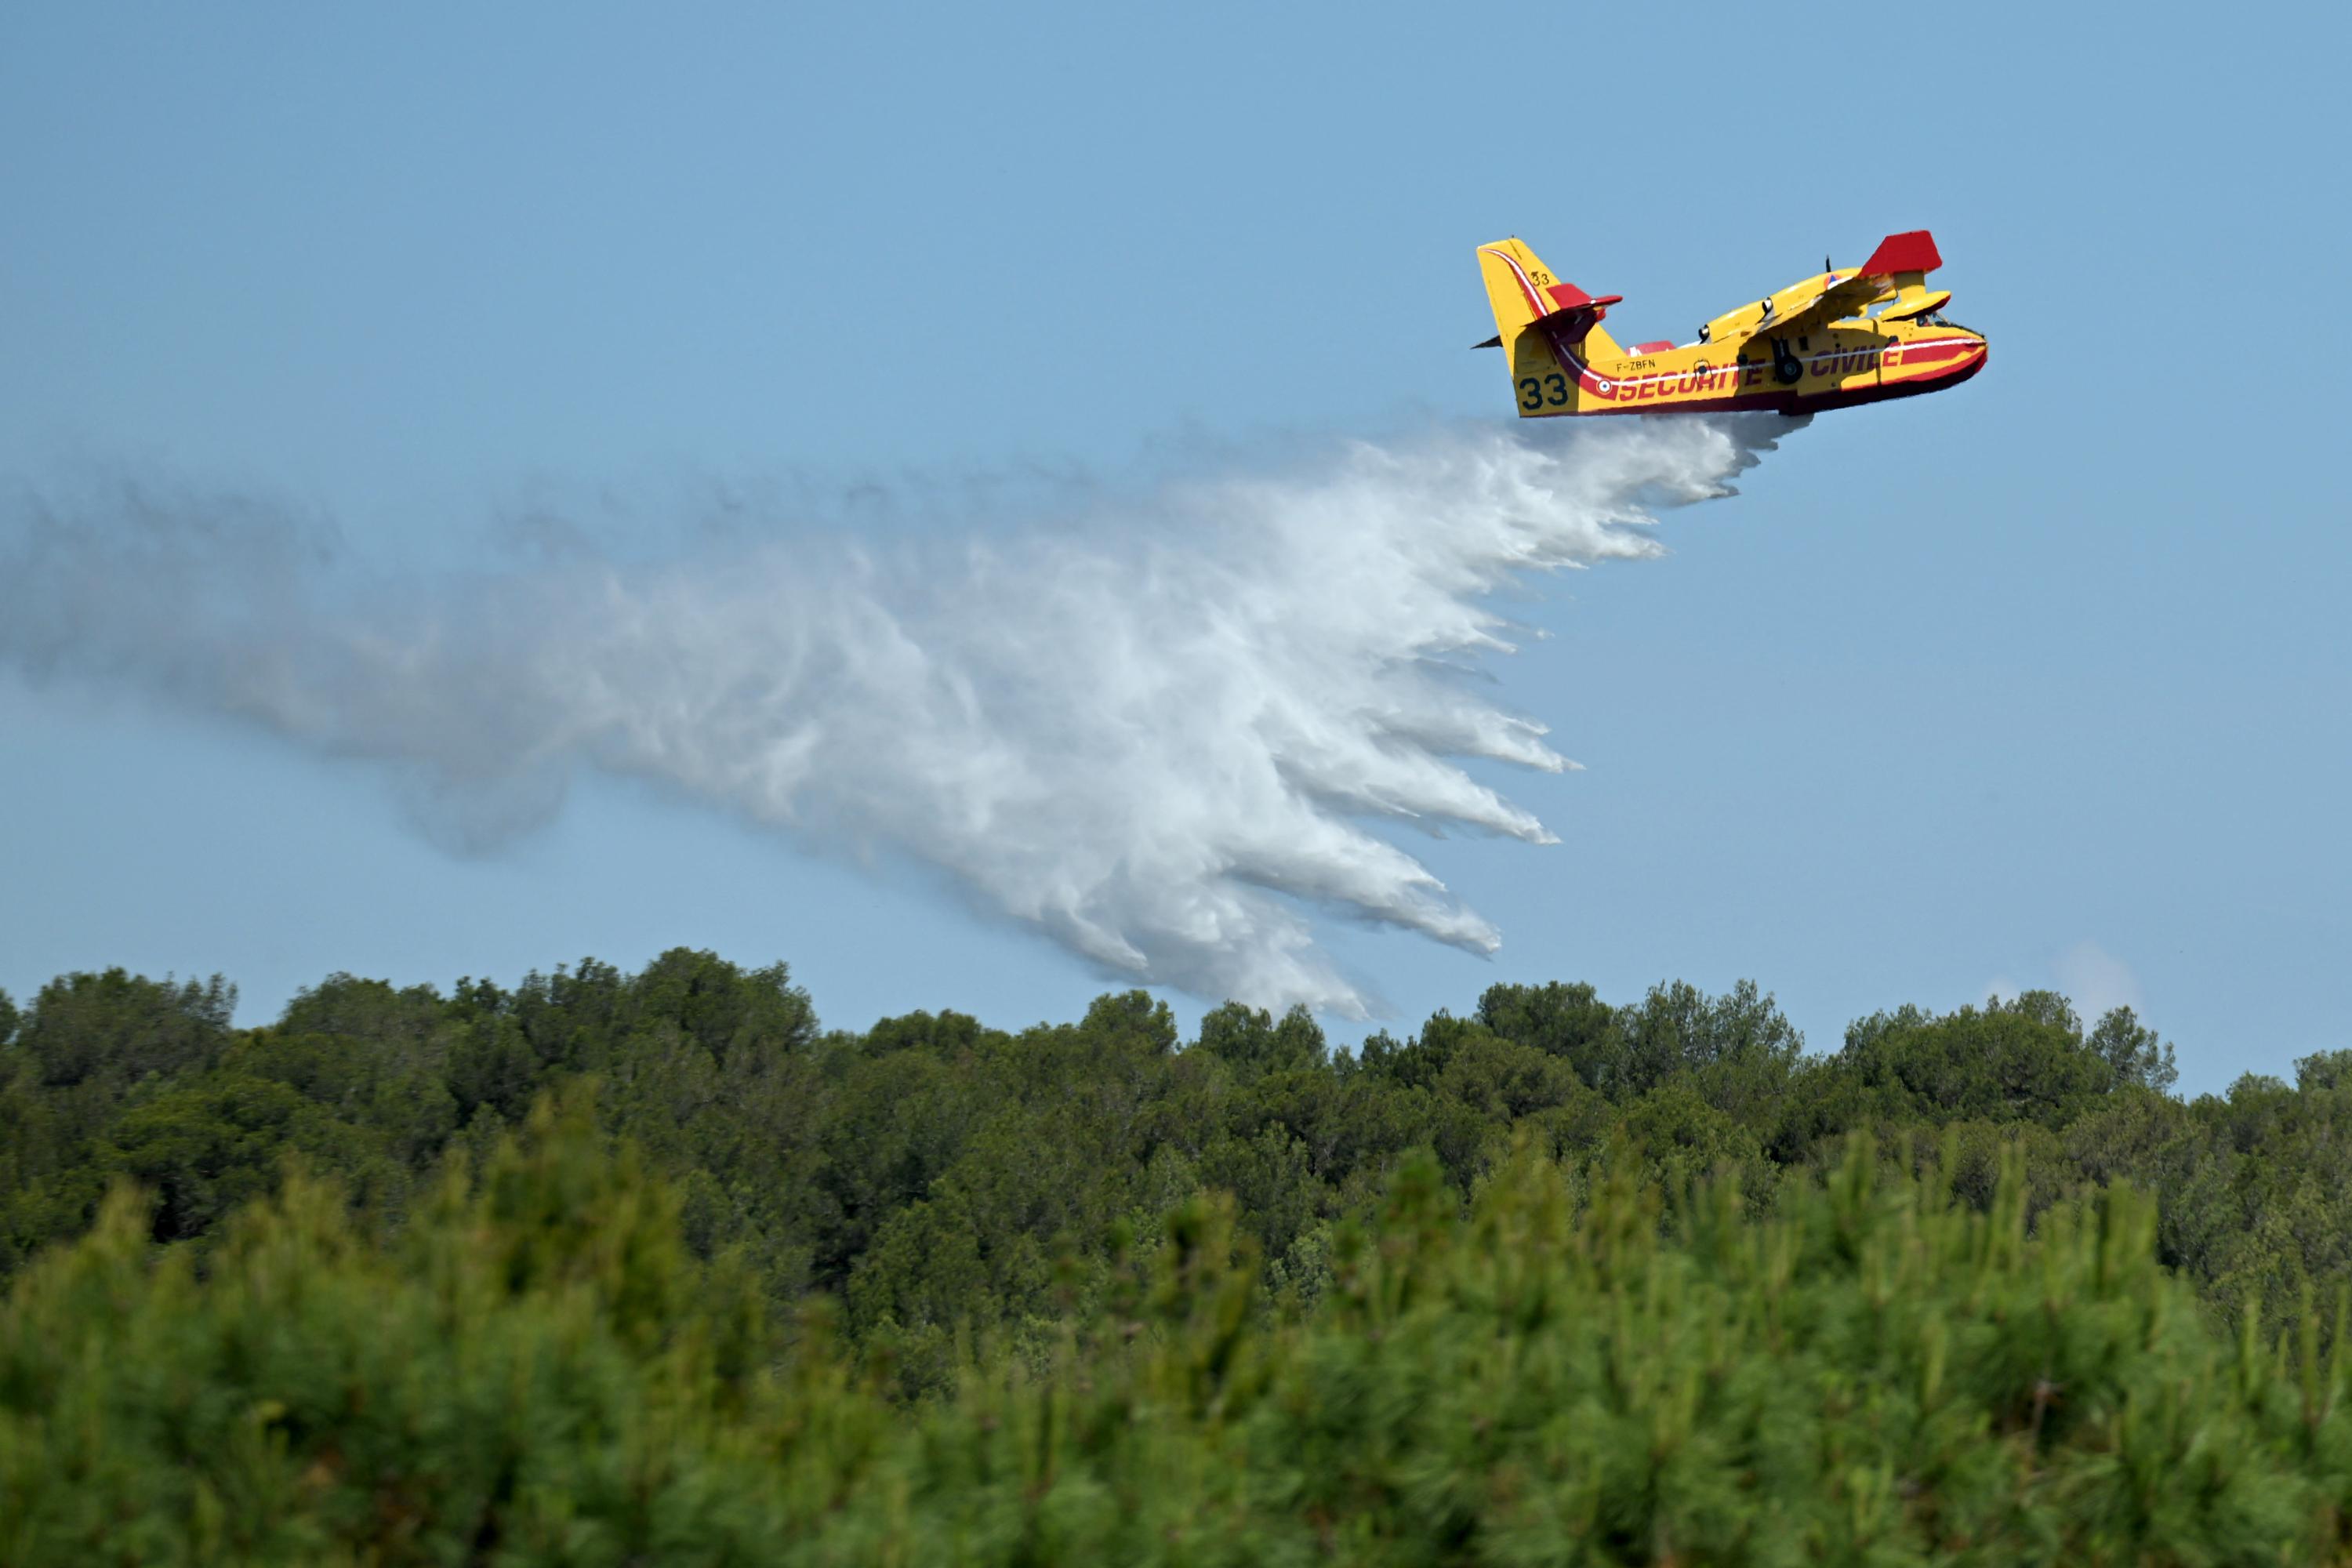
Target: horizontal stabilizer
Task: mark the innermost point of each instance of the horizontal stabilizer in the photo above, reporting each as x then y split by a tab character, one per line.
1565	297
1577	314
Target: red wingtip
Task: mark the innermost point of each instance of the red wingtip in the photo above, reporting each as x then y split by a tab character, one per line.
1912	252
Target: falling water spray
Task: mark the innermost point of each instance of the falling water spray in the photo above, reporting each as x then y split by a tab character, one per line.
1168	737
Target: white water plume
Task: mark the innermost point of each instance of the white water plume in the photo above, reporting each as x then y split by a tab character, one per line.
1165	737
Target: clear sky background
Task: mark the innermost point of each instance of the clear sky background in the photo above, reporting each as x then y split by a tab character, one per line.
2044	681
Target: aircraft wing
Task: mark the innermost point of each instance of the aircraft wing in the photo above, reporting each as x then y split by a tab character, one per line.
1849	296
1849	293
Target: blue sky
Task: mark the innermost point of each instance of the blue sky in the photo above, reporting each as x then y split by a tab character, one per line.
2045	682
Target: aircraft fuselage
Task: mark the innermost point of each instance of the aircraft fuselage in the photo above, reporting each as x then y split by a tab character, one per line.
1836	366
1839	337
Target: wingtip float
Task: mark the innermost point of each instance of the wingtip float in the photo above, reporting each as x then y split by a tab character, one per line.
1838	338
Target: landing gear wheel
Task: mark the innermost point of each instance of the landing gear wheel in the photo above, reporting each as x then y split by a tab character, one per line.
1786	368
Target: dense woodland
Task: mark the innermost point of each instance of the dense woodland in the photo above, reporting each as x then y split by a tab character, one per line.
615	1269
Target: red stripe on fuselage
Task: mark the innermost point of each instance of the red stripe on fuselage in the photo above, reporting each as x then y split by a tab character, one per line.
1781	401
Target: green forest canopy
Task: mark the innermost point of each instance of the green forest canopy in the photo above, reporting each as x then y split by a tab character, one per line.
1556	1281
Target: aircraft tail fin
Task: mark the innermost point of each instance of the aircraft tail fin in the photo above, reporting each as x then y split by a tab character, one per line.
1538	318
1905	259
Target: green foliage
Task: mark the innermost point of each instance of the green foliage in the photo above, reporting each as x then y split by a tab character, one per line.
928	1172
2021	1060
1571	1370
1251	1043
114	1029
208	1149
1556	1281
91	1050
2133	1050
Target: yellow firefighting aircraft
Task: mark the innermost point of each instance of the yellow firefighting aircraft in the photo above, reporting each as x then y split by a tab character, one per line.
1814	344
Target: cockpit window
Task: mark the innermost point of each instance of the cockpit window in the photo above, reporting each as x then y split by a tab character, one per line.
1938	318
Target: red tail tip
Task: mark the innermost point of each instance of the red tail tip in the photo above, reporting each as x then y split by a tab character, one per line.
1912	252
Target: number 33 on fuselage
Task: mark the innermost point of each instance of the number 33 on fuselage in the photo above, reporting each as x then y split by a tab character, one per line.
1838	338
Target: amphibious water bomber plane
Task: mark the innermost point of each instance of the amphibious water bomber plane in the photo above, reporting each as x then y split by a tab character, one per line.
1815	345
